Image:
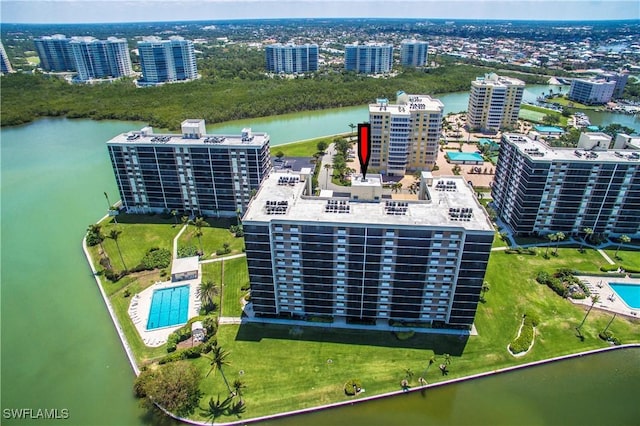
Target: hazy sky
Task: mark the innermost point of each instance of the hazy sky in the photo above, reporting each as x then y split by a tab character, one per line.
87	11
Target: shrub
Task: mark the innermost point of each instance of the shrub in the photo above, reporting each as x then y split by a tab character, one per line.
521	250
352	387
188	251
140	383
605	335
156	258
404	335
188	353
126	293
524	340
609	268
93	239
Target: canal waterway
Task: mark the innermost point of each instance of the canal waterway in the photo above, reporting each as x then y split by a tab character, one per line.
299	126
59	349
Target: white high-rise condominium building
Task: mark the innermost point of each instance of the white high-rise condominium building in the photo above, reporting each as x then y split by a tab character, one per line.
5	65
405	135
370	58
292	58
361	259
166	61
414	53
539	189
592	92
494	102
193	172
99	59
54	53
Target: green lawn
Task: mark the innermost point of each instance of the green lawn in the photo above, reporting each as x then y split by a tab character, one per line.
573	104
628	259
236	276
287	368
153	234
300	149
213	238
535	116
379	359
498	241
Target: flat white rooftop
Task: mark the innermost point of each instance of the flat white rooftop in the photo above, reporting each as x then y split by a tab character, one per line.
406	104
540	151
146	137
281	197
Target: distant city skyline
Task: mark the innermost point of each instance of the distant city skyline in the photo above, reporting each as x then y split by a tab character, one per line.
101	11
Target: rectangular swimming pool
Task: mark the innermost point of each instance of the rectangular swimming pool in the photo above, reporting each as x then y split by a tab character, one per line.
169	306
629	293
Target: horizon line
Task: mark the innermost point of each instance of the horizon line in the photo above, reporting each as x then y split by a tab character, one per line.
566	20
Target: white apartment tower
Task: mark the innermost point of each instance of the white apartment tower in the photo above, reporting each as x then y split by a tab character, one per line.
100	59
414	53
167	61
360	259
405	135
494	102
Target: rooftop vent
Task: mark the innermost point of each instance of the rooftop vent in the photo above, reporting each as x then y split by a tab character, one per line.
288	180
396	208
276	207
337	206
461	213
449	186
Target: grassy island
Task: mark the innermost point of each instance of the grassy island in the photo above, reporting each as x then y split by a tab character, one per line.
278	368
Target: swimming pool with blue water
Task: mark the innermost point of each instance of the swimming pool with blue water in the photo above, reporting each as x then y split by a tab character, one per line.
629	293
169	306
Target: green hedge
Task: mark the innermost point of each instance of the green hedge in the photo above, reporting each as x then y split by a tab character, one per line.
523	342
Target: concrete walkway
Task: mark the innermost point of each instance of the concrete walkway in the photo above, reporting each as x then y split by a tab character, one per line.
606	257
175	242
220	259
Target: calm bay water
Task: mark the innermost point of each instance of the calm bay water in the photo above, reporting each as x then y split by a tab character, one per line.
59	348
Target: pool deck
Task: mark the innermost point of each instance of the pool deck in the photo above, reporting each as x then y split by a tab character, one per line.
609	299
141	304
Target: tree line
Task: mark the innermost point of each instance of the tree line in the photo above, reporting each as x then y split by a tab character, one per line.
222	94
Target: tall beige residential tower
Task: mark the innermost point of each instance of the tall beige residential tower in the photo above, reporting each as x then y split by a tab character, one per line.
494	102
404	136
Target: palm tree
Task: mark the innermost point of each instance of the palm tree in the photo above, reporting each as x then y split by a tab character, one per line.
218	360
108	202
207	291
559	237
216	408
238	385
199	223
114	234
594	299
624	239
96	230
587	234
353	126
552	238
237	408
174	213
408	374
327	167
185	220
447	359
607	327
